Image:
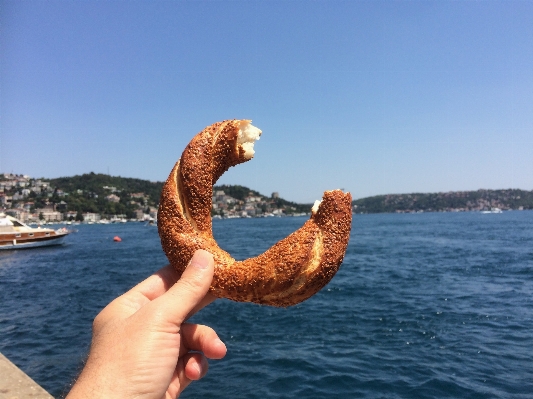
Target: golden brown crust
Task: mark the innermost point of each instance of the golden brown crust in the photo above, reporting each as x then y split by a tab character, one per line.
289	272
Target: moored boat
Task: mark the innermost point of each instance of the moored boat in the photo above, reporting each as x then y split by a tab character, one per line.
493	210
16	235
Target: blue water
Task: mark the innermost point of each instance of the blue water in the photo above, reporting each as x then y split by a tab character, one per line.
424	306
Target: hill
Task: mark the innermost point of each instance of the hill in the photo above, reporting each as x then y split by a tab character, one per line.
90	193
241	192
446	202
104	194
93	183
115	195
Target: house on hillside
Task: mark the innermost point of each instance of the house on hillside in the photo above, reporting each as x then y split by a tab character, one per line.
5	200
113	198
91	217
49	215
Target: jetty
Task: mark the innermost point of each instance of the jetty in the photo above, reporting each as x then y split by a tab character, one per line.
15	384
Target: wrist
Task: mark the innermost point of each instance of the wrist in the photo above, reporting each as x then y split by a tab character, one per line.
95	383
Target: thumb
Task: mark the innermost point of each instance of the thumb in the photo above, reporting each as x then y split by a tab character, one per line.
190	289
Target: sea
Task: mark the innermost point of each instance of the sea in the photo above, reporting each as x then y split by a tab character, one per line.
428	305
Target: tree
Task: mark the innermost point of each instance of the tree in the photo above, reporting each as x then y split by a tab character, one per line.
41	216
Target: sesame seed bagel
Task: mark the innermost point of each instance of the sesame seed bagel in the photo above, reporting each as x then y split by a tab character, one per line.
289	272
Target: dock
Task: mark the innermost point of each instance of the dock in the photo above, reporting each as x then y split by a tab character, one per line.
15	384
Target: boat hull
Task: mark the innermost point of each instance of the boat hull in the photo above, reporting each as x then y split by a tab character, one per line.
33	242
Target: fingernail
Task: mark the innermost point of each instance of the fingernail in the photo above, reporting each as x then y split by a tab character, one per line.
201	259
218	342
198	370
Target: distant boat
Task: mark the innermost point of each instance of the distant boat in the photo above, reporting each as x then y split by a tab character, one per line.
493	210
116	219
16	235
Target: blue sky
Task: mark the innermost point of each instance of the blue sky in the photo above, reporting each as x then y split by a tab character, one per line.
374	97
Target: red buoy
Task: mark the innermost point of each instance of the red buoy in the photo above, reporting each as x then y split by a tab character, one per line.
117	239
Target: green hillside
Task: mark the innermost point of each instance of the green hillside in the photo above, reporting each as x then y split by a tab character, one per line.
115	195
451	201
88	192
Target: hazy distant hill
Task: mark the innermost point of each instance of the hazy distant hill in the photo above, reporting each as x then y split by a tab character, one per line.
450	201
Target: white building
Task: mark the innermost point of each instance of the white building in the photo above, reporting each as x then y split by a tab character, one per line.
91	217
113	198
50	216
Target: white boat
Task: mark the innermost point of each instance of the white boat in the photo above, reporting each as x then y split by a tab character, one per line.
493	210
16	235
116	219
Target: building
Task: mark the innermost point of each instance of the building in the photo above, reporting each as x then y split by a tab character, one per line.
20	214
49	215
6	200
252	198
44	185
18	196
153	212
113	198
91	217
139	214
70	215
7	185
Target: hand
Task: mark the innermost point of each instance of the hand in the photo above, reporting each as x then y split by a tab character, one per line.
141	347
